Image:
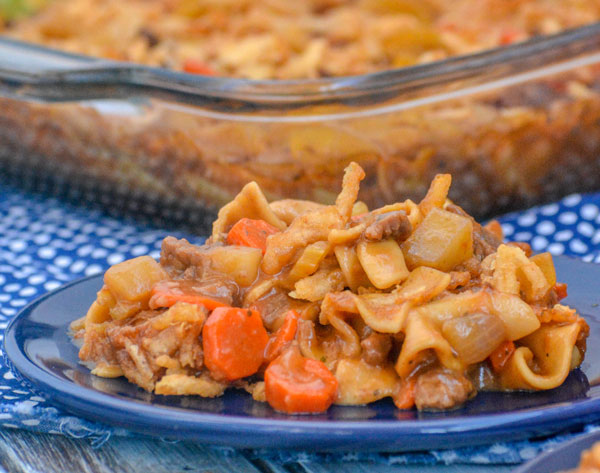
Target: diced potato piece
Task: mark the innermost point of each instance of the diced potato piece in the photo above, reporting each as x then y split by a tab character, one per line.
105	298
442	241
309	261
132	280
99	311
362	383
353	272
124	309
239	262
383	262
545	263
518	316
97	314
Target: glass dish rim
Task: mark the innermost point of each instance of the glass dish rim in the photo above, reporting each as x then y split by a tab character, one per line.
87	73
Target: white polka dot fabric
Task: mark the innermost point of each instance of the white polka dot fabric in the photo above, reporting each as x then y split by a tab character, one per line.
45	243
570	227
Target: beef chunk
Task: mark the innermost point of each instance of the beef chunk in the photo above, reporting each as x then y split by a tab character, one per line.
179	256
217	287
376	348
440	388
391	224
152	338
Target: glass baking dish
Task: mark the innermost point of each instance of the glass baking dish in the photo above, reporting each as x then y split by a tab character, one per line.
515	126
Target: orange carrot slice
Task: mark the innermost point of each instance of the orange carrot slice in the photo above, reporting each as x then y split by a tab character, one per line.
561	290
283	336
509	36
501	355
252	233
194	66
234	342
405	397
295	385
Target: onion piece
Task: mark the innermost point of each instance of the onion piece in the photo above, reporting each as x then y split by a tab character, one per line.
474	336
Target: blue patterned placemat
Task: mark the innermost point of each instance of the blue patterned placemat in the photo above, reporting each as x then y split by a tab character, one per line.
45	242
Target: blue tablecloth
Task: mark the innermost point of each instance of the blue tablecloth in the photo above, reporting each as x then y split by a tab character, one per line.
45	242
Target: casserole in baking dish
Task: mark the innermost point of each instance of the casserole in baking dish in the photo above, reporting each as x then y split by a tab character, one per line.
515	125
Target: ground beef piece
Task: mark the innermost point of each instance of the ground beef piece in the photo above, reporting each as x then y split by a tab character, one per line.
177	256
273	307
139	345
135	366
471	266
191	268
440	388
484	242
391	224
216	286
97	347
376	348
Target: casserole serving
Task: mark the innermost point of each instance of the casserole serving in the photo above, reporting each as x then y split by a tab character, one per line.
304	305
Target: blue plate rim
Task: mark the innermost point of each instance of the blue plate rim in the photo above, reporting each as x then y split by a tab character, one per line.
428	433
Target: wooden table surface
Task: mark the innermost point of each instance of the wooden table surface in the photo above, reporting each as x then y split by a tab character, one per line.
26	452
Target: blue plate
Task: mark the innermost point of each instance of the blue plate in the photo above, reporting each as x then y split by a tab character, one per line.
562	458
37	343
